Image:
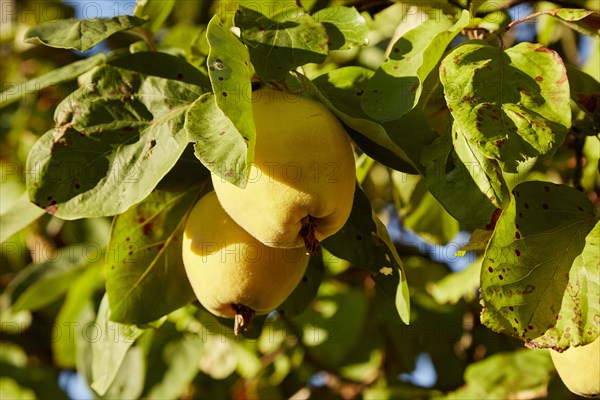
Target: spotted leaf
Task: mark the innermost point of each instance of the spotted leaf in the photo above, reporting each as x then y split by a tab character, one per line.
539	277
512	105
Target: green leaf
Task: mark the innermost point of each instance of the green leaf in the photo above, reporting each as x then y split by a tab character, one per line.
181	358
62	74
338	309
282	41
457	184
511	105
38	285
425	216
541	268
397	85
345	27
585	91
307	288
459	285
157	11
67	322
583	21
217	142
341	90
18	216
163	65
10	389
80	35
519	374
228	68
412	133
116	138
364	241
145	277
109	351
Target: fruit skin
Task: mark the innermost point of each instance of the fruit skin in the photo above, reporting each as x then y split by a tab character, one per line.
303	166
227	267
579	368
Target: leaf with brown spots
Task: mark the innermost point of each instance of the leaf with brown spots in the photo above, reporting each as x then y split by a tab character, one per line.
145	277
519	100
540	279
96	161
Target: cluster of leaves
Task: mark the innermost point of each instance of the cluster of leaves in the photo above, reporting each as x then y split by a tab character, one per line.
456	126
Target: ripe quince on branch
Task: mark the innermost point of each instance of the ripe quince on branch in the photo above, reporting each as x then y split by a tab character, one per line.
301	184
233	274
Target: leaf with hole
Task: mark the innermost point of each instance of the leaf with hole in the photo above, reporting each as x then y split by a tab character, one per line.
228	68
540	270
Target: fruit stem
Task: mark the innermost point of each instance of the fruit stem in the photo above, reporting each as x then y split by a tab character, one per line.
308	234
243	318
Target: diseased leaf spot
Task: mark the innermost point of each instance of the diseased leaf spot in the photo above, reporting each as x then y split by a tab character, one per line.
518	253
539	78
360	93
545	206
141	220
516	321
580	208
546	188
517	235
224	94
511	308
490	269
526	206
500	277
160	246
530	327
179	76
304	279
396	50
358	237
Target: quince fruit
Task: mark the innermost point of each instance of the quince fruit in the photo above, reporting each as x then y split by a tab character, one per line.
301	184
579	368
233	274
